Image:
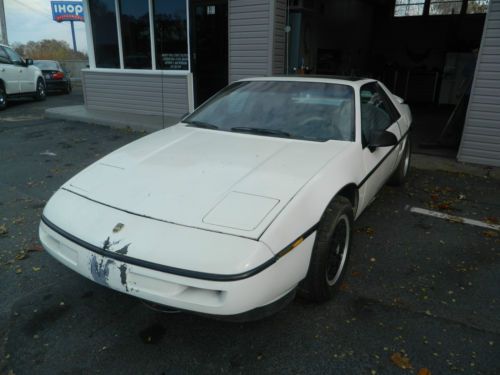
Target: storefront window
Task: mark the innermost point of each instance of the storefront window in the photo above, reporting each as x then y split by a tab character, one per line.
134	18
170	18
408	8
105	37
477	6
442	7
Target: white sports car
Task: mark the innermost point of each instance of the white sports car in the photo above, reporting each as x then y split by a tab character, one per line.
245	201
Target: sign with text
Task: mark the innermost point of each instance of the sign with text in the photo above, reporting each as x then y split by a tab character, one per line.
67	11
175	61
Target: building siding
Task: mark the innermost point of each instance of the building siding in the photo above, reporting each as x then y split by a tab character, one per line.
151	94
481	136
250	38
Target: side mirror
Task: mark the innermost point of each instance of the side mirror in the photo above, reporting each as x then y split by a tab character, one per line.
382	139
29	62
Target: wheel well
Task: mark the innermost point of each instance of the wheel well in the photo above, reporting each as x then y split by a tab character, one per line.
350	192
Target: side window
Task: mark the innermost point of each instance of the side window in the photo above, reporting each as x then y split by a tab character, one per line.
375	114
4	58
14	57
390	105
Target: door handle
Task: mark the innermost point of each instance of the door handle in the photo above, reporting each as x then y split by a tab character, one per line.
3	70
20	70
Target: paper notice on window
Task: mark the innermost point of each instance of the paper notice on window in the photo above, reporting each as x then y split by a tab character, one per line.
175	61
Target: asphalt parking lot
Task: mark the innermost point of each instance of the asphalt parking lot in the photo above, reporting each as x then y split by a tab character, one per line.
420	292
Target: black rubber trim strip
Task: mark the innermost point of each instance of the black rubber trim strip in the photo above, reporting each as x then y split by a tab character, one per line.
174	270
383	159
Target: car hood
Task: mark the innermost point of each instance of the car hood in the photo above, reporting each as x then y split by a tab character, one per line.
219	181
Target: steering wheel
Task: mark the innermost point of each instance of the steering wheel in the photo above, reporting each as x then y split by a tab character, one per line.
311	120
317	122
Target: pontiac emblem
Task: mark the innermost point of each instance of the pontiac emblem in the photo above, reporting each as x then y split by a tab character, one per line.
118	227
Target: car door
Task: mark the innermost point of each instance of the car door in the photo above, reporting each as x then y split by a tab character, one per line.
9	73
25	75
377	115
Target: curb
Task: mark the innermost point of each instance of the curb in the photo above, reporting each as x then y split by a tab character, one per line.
436	163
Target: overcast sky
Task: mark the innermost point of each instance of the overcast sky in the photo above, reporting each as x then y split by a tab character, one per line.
32	20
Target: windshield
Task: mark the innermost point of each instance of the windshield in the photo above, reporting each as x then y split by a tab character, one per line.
46	65
301	110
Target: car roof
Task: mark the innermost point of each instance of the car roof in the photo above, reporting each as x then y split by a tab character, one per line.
351	81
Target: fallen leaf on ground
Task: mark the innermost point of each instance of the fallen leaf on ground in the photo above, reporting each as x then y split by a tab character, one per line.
21	256
19	270
401	360
356	273
34	247
424	371
490	234
491	220
18	220
344	286
36	269
368	230
3	230
444	206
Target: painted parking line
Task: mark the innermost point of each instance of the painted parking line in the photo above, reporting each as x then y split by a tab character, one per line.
21	118
453	218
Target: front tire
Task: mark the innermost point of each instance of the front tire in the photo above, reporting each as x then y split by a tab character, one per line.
40	90
3	99
331	251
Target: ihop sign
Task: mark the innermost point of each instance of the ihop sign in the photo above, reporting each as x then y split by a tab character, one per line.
67	11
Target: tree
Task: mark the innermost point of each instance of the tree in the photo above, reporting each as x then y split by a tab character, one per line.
454	6
48	49
478	6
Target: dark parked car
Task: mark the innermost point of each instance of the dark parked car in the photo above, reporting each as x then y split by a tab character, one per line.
55	76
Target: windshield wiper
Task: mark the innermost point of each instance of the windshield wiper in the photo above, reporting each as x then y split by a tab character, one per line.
201	124
246	129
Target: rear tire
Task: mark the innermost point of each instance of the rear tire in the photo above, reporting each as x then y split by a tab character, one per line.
40	90
401	173
330	253
3	98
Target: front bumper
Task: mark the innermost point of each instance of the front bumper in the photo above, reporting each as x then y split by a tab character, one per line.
270	287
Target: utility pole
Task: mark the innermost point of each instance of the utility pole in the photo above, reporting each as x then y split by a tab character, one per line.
3	25
72	34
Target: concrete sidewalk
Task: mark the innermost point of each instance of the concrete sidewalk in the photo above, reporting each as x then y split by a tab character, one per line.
113	119
436	163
